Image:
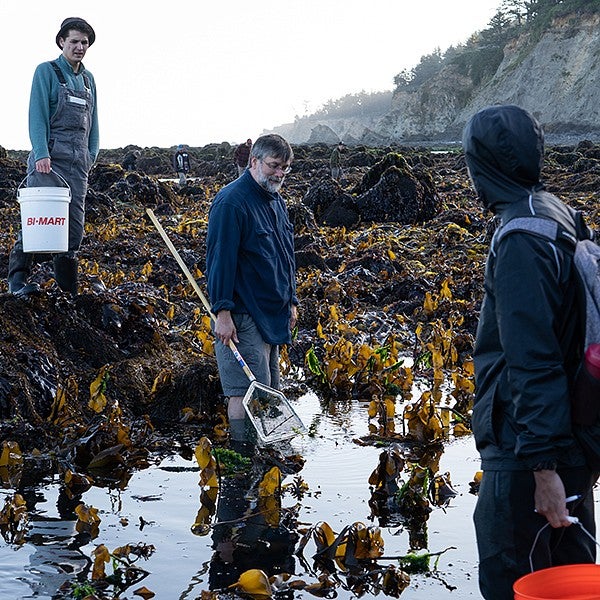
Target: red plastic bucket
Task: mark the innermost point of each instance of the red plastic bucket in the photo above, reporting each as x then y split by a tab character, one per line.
570	582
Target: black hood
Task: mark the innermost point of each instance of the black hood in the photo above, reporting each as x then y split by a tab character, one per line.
504	150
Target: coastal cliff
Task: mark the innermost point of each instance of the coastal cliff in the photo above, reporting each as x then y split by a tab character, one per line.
554	73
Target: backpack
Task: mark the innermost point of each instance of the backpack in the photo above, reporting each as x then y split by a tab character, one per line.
585	395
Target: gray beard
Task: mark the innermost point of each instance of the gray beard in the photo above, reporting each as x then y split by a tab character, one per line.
271	186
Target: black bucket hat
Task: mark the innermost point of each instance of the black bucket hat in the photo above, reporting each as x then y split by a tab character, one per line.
75	23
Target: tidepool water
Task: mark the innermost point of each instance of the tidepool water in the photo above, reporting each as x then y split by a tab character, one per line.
159	505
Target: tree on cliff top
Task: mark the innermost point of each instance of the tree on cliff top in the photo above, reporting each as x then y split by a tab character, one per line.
480	56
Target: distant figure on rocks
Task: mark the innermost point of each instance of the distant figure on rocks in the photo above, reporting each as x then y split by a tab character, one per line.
63	128
241	156
181	163
130	161
335	162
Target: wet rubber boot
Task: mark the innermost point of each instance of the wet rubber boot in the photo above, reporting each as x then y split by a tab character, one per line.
65	273
237	430
239	439
17	284
17	281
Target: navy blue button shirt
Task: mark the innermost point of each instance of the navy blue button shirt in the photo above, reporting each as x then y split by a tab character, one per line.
250	257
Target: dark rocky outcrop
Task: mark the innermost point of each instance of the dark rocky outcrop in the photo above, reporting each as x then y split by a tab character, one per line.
393	191
331	205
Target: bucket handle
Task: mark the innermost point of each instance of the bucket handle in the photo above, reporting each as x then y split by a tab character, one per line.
52	171
573	520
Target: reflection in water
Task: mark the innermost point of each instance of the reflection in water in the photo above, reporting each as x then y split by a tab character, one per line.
251	530
405	484
243	539
241	507
57	559
165	498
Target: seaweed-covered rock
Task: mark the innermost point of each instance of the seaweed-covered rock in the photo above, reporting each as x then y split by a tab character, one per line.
153	163
566	159
12	173
103	176
331	205
193	190
210	168
126	186
586	164
360	159
214	151
301	218
394	191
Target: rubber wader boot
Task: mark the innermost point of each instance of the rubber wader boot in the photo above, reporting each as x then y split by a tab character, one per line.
17	285
237	430
239	440
17	281
65	273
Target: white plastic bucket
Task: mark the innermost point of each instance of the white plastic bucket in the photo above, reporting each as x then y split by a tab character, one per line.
44	218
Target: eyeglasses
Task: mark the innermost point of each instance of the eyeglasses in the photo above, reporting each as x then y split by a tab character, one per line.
275	166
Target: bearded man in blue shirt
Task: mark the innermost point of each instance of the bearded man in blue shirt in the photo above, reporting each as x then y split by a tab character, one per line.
63	128
251	273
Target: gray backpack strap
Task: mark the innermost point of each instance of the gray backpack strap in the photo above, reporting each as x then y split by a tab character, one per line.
546	228
587	262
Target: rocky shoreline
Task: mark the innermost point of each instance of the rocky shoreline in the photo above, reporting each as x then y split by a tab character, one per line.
373	254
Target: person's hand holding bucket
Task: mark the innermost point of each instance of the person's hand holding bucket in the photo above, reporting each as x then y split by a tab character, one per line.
44	165
550	498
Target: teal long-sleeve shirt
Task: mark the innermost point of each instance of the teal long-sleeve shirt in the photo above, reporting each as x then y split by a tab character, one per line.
44	100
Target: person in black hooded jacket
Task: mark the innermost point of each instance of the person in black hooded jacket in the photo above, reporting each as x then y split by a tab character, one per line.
527	349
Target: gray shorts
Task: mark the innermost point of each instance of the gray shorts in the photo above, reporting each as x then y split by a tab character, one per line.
262	358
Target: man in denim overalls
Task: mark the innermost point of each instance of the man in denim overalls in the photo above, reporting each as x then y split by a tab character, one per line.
63	128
